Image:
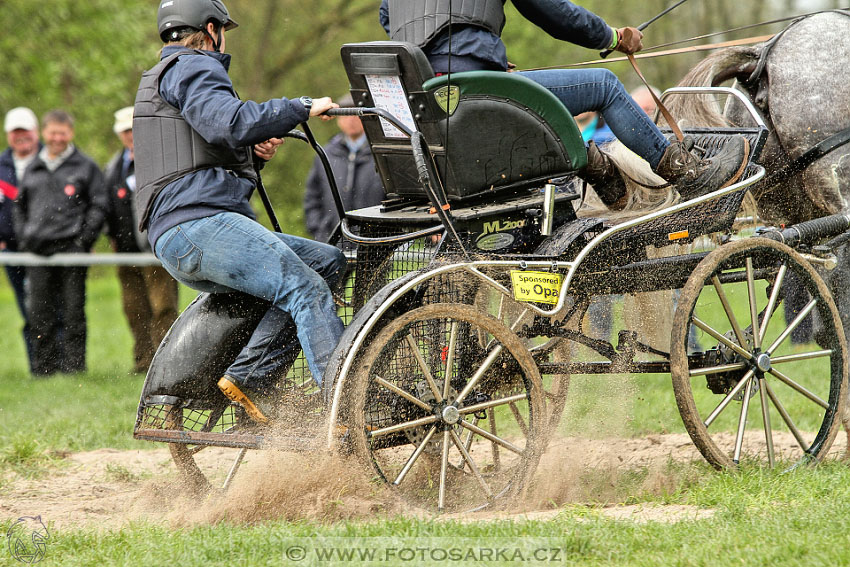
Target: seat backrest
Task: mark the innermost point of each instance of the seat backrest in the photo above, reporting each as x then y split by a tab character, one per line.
488	131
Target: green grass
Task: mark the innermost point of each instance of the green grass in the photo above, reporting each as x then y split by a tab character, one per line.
74	412
759	517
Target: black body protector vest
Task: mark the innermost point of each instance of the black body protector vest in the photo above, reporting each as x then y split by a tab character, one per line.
418	22
166	148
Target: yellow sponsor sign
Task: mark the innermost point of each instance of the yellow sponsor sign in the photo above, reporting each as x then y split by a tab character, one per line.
537	287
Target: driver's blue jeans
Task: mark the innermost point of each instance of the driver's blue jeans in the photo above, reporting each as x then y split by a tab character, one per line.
229	251
599	90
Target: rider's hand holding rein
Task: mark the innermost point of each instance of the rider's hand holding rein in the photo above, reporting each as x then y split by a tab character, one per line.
629	40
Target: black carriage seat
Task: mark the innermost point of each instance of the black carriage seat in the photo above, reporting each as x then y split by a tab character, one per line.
496	133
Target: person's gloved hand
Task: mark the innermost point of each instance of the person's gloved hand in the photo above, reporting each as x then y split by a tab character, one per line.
629	40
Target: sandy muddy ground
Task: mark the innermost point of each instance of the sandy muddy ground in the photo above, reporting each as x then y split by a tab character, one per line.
108	488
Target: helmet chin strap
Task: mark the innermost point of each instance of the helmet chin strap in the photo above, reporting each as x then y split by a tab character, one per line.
216	41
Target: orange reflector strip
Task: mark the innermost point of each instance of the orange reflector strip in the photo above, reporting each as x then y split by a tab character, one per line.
445	207
678	235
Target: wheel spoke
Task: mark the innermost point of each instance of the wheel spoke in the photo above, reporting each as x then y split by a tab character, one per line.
742	421
718	369
406	395
415	456
489	436
722	406
450	359
800	356
402	426
771	302
786	417
233	468
718	287
816	399
494	447
444	467
424	368
793	325
519	420
468	442
475	472
765	418
751	293
475	408
722	338
485	366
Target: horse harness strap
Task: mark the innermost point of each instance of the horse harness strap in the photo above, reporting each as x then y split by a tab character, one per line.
811	155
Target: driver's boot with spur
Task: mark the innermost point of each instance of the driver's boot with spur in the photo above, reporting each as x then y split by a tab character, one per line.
603	175
695	177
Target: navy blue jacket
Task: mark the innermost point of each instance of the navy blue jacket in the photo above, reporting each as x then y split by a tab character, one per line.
200	88
9	190
475	48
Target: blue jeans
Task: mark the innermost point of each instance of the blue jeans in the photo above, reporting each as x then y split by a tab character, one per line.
229	251
599	90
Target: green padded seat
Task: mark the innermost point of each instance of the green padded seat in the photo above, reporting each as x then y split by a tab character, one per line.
523	91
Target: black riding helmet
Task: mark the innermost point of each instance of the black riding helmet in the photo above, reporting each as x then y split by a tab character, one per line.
195	14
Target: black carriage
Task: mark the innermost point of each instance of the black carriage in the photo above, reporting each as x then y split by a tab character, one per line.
467	291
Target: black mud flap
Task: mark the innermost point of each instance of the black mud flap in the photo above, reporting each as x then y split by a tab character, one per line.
201	344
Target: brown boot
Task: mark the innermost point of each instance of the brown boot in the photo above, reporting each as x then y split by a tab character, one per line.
694	177
602	173
228	387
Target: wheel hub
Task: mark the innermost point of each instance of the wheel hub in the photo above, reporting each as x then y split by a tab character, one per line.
763	362
450	415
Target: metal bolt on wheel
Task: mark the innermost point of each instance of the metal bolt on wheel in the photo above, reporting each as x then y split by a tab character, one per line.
755	396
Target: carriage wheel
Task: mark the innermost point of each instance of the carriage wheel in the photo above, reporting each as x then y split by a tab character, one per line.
446	422
754	396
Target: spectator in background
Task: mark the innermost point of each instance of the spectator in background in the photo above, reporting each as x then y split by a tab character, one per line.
148	294
21	128
643	98
593	128
354	169
60	208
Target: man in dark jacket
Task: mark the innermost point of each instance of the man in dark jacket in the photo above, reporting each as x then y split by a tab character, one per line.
21	128
466	36
354	169
148	293
60	208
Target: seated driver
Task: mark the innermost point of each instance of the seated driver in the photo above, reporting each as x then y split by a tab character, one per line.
468	34
196	145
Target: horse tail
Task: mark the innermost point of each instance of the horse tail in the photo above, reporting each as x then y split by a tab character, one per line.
704	110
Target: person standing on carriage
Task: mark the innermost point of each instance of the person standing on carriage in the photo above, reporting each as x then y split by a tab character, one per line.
466	36
196	147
